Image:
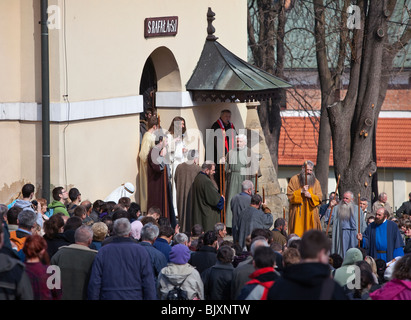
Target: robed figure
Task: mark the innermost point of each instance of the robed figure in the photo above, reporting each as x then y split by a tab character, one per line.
382	238
158	181
147	143
241	164
344	221
207	202
238	203
305	197
177	149
255	216
220	140
184	176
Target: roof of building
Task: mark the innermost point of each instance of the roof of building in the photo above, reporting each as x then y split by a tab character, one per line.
299	137
222	75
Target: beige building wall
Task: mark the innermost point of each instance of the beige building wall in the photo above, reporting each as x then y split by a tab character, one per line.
97	54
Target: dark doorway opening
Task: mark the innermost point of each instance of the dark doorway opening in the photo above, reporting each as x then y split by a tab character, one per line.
148	87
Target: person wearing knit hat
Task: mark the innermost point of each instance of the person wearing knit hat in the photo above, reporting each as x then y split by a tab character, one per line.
179	273
100	232
345	273
179	254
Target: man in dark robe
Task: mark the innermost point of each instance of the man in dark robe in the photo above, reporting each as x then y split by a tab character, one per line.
158	180
255	216
206	200
220	140
238	203
184	177
382	238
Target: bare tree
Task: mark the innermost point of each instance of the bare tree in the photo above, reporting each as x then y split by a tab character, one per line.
362	54
266	25
353	119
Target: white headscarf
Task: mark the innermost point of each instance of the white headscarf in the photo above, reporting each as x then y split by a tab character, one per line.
125	190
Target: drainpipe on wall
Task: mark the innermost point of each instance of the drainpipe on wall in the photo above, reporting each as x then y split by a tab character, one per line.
45	104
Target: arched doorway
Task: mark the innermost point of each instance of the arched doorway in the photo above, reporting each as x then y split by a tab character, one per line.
160	73
148	87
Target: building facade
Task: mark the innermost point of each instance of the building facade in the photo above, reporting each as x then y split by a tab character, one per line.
98	50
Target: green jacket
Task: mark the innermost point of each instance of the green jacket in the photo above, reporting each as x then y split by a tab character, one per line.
205	202
75	262
57	207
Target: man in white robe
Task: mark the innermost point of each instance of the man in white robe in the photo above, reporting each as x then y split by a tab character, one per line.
344	222
125	190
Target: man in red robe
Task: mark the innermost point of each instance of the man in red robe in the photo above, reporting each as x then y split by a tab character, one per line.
220	140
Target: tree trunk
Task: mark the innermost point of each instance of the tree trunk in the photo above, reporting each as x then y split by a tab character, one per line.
263	55
353	120
330	88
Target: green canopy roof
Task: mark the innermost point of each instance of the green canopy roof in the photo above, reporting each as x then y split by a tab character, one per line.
220	74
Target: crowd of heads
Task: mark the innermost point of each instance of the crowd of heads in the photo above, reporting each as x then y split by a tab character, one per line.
99	220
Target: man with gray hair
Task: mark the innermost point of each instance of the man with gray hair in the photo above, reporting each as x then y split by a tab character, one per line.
245	268
122	269
305	196
344	221
148	235
255	216
382	202
241	164
26	221
75	261
181	238
221	231
238	203
220	139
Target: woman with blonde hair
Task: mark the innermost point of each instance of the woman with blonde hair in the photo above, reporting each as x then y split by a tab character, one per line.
370	260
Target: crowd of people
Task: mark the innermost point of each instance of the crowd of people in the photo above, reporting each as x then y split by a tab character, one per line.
110	251
192	237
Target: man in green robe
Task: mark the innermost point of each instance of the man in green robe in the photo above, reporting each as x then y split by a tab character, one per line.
206	200
241	164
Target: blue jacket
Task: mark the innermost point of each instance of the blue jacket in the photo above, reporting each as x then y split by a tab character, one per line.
163	246
122	270
391	233
158	259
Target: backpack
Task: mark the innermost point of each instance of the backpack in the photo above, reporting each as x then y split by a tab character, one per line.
9	281
267	285
18	242
177	293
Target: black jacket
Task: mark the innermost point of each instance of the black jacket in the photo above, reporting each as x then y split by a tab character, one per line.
217	281
404	209
261	280
306	281
204	258
53	244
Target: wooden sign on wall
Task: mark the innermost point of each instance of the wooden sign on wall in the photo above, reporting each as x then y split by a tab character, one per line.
160	27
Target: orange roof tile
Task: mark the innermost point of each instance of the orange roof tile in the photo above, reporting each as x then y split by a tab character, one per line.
299	137
393	142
